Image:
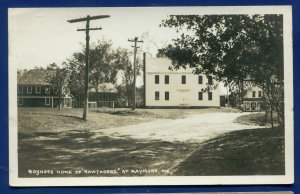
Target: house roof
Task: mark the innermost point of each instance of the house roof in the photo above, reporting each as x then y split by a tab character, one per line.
35	77
105	87
162	65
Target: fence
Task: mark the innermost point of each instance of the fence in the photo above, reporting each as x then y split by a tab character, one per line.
95	104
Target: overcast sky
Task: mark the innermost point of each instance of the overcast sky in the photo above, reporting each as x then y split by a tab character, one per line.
39	37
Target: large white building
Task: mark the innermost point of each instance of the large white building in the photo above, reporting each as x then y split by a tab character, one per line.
166	88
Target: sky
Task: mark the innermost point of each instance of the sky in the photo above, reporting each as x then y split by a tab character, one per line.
39	37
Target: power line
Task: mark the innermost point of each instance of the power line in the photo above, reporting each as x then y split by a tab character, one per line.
135	40
87	51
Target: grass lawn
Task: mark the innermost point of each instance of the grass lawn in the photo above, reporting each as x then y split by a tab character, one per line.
53	120
246	152
257	119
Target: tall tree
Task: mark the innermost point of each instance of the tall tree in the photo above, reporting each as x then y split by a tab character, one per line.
107	64
232	48
59	79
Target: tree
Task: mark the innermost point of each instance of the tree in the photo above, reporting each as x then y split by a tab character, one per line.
59	79
126	75
233	49
107	64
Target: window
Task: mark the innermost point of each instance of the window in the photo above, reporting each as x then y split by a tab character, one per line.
200	79
209	95
156	95
20	101
200	96
209	80
54	89
167	79
20	89
38	89
247	106
183	79
253	94
167	95
47	101
253	105
259	93
156	79
29	89
47	90
105	96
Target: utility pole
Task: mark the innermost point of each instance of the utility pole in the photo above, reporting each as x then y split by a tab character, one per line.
87	52
135	40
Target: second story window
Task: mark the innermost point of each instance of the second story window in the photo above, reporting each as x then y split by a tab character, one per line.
54	89
20	101
38	89
210	96
209	80
167	79
20	89
183	79
200	79
47	90
259	94
253	94
29	89
156	95
156	79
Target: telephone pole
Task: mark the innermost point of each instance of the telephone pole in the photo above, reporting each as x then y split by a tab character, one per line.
135	40
87	52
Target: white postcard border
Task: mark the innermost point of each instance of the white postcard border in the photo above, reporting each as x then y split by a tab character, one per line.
14	180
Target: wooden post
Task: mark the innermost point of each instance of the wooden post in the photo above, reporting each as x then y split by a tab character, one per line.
135	40
86	78
87	29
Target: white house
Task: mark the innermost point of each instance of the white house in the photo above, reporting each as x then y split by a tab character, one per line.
253	99
165	88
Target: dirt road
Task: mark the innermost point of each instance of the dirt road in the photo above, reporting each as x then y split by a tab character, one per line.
160	144
192	128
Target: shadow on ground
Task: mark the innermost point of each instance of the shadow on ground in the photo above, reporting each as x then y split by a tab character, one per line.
84	150
245	152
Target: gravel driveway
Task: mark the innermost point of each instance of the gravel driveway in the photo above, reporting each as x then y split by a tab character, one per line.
193	128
